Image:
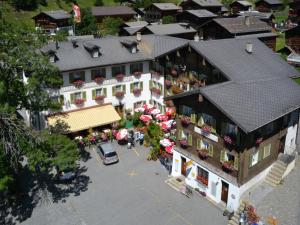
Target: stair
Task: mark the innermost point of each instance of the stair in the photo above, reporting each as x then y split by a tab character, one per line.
236	217
275	175
175	184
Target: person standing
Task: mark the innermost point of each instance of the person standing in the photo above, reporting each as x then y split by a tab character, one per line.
141	138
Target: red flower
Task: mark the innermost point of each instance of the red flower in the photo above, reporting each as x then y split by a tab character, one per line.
78	83
119	94
99	98
120	77
183	143
79	101
206	129
203	153
227	166
156	90
136	91
99	80
228	139
185	121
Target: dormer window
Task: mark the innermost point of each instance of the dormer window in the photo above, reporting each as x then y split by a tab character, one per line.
95	53
131	45
52	58
93	49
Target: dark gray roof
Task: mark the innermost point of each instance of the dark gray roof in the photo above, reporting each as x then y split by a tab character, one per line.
201	13
257	14
112	10
237	25
208	3
112	51
166	6
169	29
132	30
259	89
244	3
272	2
57	14
259	35
136	24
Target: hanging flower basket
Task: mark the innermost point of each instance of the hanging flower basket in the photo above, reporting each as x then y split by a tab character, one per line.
156	90
100	98
137	74
203	153
185	121
99	80
183	143
119	94
227	166
228	140
168	84
120	77
136	91
79	101
78	83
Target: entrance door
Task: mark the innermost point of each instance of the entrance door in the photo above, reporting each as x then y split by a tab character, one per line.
183	166
224	195
281	144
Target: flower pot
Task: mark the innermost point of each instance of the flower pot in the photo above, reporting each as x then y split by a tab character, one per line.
227	167
79	101
185	121
119	77
99	80
168	84
203	153
78	83
136	91
99	98
183	143
137	74
119	94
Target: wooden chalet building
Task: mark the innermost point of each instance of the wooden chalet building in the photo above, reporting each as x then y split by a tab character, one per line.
268	5
123	12
52	21
238	6
292	38
156	11
232	129
213	6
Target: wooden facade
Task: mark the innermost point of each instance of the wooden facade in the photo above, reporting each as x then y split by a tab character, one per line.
292	38
45	22
236	7
187	5
263	6
193	20
154	14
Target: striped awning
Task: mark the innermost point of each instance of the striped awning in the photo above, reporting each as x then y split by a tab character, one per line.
84	119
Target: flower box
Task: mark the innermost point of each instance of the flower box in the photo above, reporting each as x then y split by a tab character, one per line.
137	74
176	89
99	80
185	121
78	83
228	140
168	84
206	129
136	91
156	90
79	101
202	180
203	153
119	94
183	143
100	98
120	77
227	166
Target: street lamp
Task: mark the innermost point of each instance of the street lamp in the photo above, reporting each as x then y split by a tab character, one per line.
243	218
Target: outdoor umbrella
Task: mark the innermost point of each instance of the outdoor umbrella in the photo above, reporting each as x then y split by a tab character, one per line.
122	134
140	109
145	118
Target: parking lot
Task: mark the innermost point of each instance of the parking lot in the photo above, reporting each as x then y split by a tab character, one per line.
131	192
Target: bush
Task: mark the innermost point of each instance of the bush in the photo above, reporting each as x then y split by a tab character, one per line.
168	19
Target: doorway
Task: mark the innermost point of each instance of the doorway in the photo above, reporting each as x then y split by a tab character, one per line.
183	166
281	144
119	109
224	194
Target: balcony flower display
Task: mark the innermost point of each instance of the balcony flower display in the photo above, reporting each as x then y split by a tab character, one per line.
185	121
93	140
78	83
137	74
176	89
168	84
259	141
227	166
136	91
99	80
99	98
104	137
228	140
206	129
119	94
79	101
156	90
203	153
156	73
183	143
120	77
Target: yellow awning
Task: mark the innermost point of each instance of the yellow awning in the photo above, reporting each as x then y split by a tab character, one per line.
83	119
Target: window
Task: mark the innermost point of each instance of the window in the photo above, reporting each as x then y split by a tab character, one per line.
75	76
154	84
137	67
254	159
157	105
231	157
228	128
118	88
259	154
202	176
207	119
118	70
99	72
267	150
186	110
203	144
99	92
77	95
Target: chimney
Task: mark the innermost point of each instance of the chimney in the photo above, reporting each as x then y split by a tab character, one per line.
249	47
247	21
138	36
56	45
196	37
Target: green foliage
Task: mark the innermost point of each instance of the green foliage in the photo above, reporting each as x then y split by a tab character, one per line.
122	122
60	127
297	80
136	119
6	177
110	26
168	19
25	4
88	25
98	3
154	131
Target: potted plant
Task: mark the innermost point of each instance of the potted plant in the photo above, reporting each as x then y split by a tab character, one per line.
99	98
183	143
99	80
156	90
119	94
227	166
78	83
206	129
136	91
120	77
79	101
228	140
185	121
203	153
137	74
104	137
168	84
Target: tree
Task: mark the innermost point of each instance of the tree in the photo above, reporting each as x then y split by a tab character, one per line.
98	3
168	19
88	25
110	26
25	4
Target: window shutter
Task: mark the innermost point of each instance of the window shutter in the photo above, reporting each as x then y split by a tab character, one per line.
72	97
104	92
250	159
82	75
93	94
267	150
131	87
61	100
124	88
200	121
260	154
236	162
150	84
141	86
179	134
198	144
223	129
113	91
211	150
190	140
160	87
222	156
193	118
71	78
84	95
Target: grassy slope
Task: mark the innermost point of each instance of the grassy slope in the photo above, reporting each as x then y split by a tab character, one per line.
25	16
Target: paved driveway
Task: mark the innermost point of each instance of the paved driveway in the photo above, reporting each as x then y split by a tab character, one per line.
131	192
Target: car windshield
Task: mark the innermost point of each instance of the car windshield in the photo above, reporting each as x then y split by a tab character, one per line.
110	154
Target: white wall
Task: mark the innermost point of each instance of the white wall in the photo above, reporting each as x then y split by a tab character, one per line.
290	141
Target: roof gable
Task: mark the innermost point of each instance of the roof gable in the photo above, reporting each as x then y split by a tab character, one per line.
112	10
